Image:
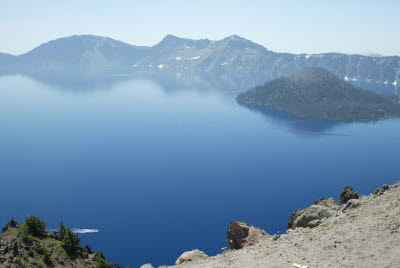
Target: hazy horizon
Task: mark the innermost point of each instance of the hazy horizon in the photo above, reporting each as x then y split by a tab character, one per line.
288	26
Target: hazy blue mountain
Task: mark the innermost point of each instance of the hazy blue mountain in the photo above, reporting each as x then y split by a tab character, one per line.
314	92
7	62
232	62
86	53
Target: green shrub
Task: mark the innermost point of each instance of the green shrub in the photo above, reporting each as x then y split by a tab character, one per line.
26	238
46	256
31	253
71	242
101	263
35	226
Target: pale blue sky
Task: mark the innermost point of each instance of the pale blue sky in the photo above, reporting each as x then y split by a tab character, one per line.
352	26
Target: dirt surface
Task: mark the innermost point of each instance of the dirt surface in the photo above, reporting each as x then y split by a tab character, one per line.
366	236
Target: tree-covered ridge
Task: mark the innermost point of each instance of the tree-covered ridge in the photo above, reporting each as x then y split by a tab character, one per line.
316	93
31	245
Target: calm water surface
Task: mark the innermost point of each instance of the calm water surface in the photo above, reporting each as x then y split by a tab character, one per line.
160	171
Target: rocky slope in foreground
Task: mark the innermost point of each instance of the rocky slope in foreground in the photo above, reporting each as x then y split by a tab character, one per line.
358	231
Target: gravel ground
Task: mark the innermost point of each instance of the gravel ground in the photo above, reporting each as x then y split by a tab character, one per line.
367	236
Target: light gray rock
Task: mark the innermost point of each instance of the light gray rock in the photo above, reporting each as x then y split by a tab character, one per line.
351	204
191	256
311	214
147	265
314	223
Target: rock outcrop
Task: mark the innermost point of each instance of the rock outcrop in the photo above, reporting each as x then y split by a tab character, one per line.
240	235
347	194
191	256
380	191
9	225
294	217
312	216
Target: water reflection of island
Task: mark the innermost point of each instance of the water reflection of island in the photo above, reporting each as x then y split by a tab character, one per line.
300	125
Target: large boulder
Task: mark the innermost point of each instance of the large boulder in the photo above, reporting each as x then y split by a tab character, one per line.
311	216
240	235
294	217
11	224
347	194
191	256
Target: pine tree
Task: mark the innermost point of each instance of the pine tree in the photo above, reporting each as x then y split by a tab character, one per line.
62	230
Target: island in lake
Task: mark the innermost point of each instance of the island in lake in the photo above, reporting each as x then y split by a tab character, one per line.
311	92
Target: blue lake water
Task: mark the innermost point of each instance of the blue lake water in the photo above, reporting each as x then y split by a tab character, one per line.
159	171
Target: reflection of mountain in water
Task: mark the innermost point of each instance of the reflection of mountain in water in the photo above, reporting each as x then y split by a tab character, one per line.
300	125
76	81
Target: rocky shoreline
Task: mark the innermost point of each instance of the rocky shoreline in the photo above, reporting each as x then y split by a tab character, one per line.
355	231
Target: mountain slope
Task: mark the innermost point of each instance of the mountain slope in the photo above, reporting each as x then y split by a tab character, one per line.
311	92
234	61
84	52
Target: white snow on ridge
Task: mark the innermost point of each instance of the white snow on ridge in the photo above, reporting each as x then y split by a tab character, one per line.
195	58
308	56
346	78
186	46
178	58
161	66
394	83
354	79
225	63
134	65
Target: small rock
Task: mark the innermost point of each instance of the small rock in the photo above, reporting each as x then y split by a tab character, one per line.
325	202
147	265
351	204
347	194
240	235
191	256
314	223
385	187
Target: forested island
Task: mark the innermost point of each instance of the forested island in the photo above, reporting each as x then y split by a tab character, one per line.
312	92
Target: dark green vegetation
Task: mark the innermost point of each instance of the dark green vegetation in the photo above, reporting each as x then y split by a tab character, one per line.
31	245
316	93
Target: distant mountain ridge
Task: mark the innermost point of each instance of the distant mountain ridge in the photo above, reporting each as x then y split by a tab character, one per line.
314	92
234	60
